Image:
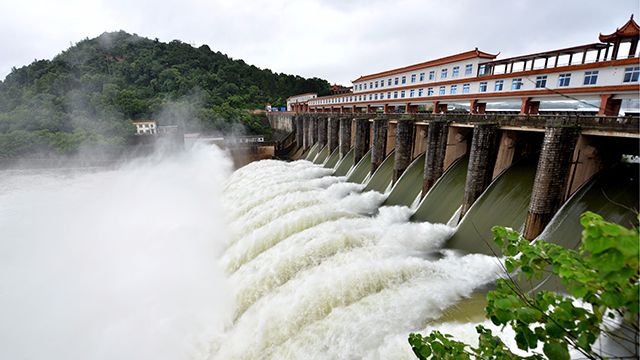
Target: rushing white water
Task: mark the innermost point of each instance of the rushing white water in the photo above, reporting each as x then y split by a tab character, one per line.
116	264
181	259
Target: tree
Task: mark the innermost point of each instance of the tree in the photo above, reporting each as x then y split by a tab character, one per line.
602	274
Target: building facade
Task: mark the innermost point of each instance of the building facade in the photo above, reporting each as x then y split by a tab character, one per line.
600	75
299	103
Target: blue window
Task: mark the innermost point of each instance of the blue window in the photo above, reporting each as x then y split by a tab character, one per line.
456	71
395	81
375	97
421	76
404	79
413	78
631	74
370	96
483	86
541	81
371	85
430	92
389	82
420	92
591	77
453	90
499	85
365	86
465	88
442	90
516	84
376	84
468	69
389	95
432	75
564	80
412	93
443	74
402	94
381	96
395	94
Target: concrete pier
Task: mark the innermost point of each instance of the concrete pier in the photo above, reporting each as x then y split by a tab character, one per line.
345	136
297	122
322	132
333	133
436	147
306	139
404	137
361	141
313	130
482	160
550	185
379	142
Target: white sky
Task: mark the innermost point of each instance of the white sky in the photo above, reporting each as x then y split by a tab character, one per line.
337	40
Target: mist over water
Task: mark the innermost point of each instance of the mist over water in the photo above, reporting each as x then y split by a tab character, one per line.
181	258
113	264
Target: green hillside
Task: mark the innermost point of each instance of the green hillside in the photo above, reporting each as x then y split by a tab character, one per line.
88	94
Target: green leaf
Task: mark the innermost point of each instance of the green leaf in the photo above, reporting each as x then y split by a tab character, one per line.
556	350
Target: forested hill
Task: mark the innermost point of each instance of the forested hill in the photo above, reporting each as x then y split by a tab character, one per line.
92	91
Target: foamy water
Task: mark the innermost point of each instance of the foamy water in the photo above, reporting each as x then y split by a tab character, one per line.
180	258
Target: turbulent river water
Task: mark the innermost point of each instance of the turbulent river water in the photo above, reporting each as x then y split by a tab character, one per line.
181	258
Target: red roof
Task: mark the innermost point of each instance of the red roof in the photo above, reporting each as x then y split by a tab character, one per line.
445	60
628	30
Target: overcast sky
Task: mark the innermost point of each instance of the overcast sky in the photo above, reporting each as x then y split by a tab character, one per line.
337	40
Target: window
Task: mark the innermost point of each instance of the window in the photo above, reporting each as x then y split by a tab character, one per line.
413	78
381	83
389	82
420	92
360	98
442	90
443	74
468	69
404	79
371	85
389	95
482	70
402	94
564	80
591	77
465	88
395	81
456	71
541	81
370	96
499	85
432	75
430	92
516	84
412	93
375	84
421	76
365	86
395	94
359	86
631	74
483	86
454	89
381	96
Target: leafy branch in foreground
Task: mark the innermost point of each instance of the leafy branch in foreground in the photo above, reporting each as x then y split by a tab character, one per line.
601	282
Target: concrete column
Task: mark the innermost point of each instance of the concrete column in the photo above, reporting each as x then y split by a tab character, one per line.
313	130
361	143
550	184
404	142
333	133
436	150
322	132
609	106
345	136
305	132
481	163
379	146
297	121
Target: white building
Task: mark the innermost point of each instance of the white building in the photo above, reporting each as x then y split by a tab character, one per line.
298	103
604	73
145	127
